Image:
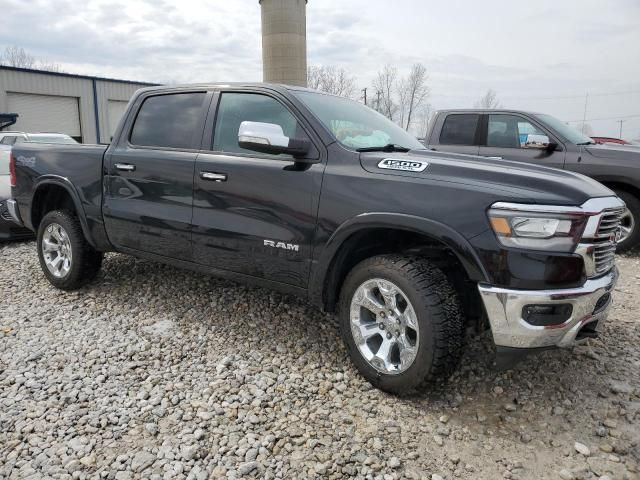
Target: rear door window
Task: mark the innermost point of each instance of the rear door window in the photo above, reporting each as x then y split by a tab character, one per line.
459	129
168	121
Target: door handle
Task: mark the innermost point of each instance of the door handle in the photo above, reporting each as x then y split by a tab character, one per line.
213	177
126	167
493	157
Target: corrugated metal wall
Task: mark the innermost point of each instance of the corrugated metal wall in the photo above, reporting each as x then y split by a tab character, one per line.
42	83
110	91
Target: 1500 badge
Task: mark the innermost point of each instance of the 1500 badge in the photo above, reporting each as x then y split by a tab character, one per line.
401	164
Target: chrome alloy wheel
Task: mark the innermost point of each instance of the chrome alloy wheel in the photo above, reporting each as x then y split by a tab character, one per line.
384	326
627	224
56	250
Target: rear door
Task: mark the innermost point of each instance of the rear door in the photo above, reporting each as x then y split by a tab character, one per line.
149	174
505	137
459	133
255	213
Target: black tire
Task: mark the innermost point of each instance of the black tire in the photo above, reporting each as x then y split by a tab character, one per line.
438	312
633	204
86	261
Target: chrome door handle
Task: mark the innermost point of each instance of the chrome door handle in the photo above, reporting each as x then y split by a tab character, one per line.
127	167
214	177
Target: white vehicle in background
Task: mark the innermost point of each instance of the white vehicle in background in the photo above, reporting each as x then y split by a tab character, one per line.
8	229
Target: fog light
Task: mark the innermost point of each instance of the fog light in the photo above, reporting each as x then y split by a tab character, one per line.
546	315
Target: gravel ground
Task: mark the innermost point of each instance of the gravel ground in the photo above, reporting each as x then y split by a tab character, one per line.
154	372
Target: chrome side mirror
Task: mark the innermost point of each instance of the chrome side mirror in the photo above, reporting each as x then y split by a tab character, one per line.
540	142
269	138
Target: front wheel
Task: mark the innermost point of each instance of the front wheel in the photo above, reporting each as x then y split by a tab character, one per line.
629	222
66	258
400	320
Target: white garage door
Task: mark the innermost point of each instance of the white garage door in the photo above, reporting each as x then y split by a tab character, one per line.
45	113
115	109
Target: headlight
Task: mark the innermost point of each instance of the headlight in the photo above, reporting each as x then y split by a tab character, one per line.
554	231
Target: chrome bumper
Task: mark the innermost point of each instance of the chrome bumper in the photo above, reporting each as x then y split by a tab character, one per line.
12	207
504	309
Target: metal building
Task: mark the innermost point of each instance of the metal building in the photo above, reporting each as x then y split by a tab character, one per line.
284	41
86	108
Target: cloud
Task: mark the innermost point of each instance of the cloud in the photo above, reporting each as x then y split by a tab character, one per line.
522	51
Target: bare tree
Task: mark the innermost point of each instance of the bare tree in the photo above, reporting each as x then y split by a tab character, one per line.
385	86
412	92
425	116
488	100
17	57
331	79
14	56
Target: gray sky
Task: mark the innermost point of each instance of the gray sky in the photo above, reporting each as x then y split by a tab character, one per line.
544	55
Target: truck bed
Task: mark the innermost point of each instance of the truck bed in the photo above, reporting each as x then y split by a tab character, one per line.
75	166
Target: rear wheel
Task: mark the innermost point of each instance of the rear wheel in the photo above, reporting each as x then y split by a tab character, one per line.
630	222
401	322
66	258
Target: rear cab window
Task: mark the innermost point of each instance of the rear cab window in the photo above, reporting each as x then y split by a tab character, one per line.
168	121
459	129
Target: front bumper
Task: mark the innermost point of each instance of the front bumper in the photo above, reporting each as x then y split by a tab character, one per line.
591	303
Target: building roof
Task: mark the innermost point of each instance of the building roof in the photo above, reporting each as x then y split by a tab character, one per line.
73	75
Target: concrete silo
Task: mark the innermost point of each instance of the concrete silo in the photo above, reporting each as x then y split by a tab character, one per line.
284	41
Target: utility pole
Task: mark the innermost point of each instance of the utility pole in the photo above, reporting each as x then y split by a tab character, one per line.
584	117
364	91
620	122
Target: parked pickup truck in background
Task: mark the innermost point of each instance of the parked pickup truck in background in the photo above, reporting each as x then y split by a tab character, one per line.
320	196
8	229
544	140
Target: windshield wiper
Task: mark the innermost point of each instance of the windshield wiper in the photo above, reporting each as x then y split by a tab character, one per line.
586	143
389	147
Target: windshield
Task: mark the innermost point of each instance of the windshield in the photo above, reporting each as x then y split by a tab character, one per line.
52	139
355	125
569	133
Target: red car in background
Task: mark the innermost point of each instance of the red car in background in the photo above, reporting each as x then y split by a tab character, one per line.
601	140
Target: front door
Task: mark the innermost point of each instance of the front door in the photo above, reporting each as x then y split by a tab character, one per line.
255	213
149	179
505	138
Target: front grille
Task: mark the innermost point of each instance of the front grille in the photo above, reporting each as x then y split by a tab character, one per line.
605	240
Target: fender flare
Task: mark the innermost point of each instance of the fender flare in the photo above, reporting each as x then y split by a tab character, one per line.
75	198
438	231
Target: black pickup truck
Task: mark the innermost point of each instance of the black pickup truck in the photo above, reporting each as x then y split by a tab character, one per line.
322	197
542	139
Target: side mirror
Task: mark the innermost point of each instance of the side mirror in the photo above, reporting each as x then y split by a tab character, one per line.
269	138
538	142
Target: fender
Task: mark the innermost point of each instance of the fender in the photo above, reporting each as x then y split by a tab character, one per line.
71	190
430	228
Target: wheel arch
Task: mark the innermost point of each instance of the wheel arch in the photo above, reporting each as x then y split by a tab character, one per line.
53	193
615	184
394	233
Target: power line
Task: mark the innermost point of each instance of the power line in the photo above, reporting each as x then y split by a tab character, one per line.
554	97
605	118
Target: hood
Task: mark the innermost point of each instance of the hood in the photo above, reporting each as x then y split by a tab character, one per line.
615	152
516	181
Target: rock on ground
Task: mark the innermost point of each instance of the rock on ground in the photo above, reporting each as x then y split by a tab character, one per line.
154	372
